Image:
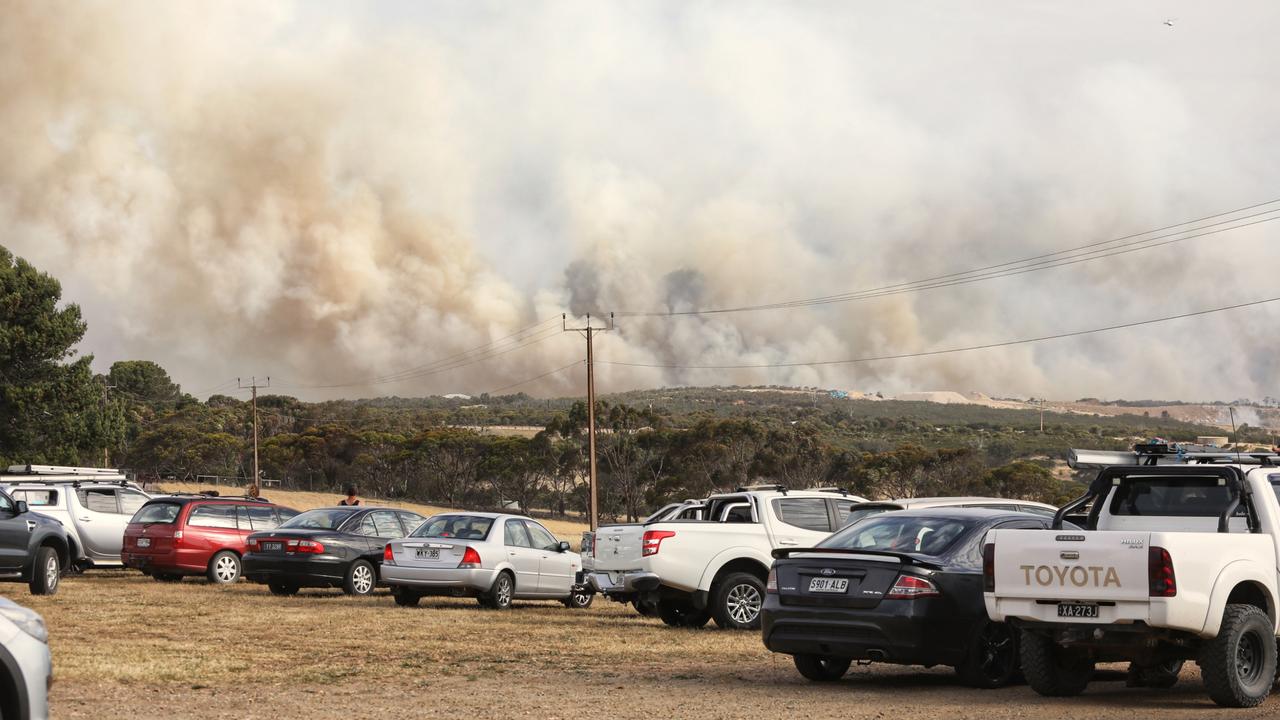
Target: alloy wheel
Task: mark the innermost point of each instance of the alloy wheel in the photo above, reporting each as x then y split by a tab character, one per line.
51	573
226	569
998	651
362	579
743	603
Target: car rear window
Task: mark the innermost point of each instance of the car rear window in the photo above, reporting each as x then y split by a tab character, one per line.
466	527
322	519
1172	497
859	513
808	513
157	512
896	533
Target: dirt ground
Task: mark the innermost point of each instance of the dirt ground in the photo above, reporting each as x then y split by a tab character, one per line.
127	647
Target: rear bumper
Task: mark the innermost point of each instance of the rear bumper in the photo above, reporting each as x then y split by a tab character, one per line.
177	561
911	632
298	570
443	579
623	583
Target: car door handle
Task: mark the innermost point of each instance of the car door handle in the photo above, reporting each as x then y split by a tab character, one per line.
788	542
85	519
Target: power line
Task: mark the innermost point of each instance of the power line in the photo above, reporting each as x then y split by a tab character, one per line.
947	351
1044	261
575	363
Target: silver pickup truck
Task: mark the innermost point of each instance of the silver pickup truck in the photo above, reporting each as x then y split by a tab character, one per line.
93	504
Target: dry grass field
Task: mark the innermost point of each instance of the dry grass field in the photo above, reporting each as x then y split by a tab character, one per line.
128	647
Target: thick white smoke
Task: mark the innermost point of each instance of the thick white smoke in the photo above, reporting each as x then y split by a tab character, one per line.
328	193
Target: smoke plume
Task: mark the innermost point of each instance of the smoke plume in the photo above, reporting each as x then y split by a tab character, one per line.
331	194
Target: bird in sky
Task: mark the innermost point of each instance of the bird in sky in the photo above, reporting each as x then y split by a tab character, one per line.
1169	21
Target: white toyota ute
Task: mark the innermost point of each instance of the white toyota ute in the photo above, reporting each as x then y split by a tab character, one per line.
1177	561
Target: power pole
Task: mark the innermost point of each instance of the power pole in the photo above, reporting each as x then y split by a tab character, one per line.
106	457
253	385
1041	416
589	332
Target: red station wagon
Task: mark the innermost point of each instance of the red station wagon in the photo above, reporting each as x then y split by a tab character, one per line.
174	536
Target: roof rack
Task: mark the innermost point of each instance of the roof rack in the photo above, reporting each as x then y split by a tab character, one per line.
59	470
1167	453
830	489
73	482
774	487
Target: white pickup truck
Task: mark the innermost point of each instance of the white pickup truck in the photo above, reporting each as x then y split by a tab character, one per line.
93	504
716	563
1178	562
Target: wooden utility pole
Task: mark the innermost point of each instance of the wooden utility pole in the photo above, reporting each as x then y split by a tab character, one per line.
106	456
589	332
253	385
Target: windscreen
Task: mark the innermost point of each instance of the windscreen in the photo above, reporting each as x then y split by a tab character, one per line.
323	519
465	527
899	533
1172	497
157	512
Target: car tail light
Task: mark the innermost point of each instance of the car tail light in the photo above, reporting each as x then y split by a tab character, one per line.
1160	573
177	538
305	546
771	585
910	587
651	541
470	558
387	555
989	568
252	544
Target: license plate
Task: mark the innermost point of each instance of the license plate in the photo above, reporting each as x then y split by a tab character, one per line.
272	546
828	585
428	553
144	542
1077	610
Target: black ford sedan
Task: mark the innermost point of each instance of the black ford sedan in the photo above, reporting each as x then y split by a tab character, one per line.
330	547
901	587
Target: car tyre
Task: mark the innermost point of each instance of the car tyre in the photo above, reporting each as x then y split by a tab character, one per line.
1239	665
1052	670
361	578
406	598
166	577
736	601
992	659
579	600
46	571
224	568
499	595
1162	675
822	669
282	589
682	613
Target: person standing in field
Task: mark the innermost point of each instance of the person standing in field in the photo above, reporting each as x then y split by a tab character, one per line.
351	498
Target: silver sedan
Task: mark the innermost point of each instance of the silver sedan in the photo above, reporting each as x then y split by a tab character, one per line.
496	558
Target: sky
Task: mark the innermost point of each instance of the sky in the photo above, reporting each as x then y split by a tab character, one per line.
402	198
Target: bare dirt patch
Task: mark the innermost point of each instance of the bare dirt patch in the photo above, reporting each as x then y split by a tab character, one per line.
125	646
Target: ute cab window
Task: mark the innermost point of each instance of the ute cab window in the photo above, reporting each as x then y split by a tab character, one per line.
37	498
807	513
731	509
1200	501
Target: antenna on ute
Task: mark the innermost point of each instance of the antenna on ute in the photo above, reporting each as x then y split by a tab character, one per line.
1232	412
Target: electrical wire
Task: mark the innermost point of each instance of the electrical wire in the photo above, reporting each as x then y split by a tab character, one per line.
575	363
1070	256
947	351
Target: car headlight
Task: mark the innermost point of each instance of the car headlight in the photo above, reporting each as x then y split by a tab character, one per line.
28	621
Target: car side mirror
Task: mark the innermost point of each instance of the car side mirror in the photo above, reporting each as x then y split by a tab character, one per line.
20	507
564	546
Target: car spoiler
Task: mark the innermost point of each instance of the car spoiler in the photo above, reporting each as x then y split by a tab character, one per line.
1109	477
905	558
